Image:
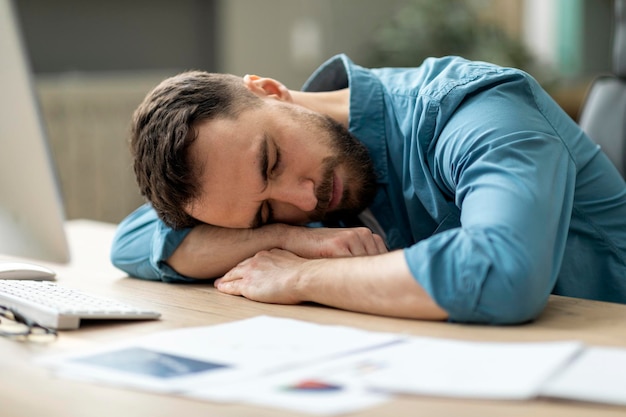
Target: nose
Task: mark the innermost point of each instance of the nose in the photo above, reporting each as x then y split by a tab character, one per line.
299	193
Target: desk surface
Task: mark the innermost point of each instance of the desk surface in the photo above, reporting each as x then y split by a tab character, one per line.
30	390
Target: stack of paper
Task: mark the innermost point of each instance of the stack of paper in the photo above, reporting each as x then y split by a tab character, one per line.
334	369
226	355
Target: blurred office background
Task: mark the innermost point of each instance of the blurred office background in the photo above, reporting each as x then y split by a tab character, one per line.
95	60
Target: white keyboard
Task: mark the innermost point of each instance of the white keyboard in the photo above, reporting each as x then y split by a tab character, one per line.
51	305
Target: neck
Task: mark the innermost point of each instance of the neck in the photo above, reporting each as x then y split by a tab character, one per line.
335	104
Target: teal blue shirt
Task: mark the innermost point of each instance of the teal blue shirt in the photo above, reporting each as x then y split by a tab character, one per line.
496	196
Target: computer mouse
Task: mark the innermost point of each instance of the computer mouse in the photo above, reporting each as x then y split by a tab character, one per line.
25	270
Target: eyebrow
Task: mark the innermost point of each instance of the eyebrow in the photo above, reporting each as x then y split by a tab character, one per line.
263	159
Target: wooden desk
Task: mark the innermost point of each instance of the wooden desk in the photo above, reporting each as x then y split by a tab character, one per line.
30	390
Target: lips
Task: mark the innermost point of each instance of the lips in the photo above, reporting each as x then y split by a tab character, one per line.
337	192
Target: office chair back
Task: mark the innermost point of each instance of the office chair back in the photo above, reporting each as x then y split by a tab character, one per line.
603	114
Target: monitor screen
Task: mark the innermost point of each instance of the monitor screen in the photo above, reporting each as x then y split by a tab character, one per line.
31	208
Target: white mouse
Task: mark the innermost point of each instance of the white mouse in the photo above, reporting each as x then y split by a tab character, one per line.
25	270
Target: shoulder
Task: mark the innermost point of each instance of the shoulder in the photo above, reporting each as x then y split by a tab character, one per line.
445	78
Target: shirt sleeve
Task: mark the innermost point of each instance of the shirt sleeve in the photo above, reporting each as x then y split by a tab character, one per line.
142	243
513	178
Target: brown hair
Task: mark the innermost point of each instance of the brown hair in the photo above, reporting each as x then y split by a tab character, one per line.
163	128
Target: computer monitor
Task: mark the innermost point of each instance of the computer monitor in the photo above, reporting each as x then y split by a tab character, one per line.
31	208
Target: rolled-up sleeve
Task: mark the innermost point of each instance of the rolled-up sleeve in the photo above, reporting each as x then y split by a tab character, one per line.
513	178
142	243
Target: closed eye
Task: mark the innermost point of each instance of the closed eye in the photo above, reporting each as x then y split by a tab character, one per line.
277	167
265	213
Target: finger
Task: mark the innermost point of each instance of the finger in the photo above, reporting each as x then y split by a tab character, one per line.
228	287
361	242
343	251
229	276
238	271
358	248
374	244
371	242
335	248
380	244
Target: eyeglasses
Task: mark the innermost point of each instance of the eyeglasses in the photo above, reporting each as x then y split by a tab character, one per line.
16	326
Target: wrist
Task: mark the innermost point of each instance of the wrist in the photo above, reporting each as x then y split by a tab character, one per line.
308	282
273	235
281	234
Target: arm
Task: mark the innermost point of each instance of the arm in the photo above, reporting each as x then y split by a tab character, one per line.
145	248
380	284
503	155
498	268
141	245
513	178
209	251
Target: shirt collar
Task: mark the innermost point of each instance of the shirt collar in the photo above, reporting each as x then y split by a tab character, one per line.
367	117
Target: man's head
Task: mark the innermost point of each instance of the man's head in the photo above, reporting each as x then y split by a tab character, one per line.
163	129
236	152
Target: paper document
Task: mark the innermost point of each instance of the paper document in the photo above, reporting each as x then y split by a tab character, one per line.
177	360
330	370
330	387
422	366
301	390
469	369
598	375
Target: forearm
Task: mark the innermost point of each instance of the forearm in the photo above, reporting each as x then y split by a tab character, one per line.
209	251
381	285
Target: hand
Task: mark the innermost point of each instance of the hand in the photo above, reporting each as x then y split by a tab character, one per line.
380	285
269	277
332	243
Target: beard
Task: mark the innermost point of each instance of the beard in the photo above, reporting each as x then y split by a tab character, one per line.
360	183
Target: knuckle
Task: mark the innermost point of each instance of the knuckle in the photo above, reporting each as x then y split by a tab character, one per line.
363	232
257	257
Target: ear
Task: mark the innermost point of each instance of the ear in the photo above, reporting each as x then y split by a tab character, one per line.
267	87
